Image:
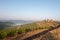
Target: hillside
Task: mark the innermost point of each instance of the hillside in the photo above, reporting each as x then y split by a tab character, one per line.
41	30
47	23
17	21
42	24
4	25
8	23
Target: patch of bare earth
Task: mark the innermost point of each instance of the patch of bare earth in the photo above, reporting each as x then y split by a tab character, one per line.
56	32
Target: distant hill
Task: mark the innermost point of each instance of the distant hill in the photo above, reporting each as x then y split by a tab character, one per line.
48	23
18	21
30	23
9	23
4	25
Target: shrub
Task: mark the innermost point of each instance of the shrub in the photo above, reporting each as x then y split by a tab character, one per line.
27	29
3	35
12	33
19	31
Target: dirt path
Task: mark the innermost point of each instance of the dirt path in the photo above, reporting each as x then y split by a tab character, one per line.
28	34
41	33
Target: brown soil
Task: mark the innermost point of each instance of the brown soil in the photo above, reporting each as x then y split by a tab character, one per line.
23	36
28	34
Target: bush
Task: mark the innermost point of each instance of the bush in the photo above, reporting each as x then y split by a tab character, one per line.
19	31
27	29
12	33
3	35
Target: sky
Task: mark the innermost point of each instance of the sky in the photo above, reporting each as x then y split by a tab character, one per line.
29	9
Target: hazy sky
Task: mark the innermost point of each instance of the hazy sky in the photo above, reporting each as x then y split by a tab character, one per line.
30	9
